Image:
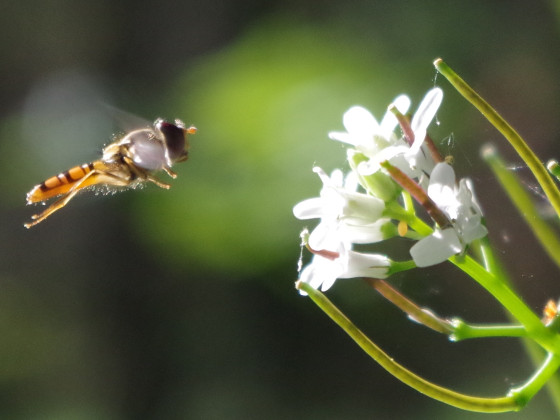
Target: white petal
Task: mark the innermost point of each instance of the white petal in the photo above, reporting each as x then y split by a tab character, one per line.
402	102
371	166
366	265
317	273
364	234
368	167
424	116
466	184
423	162
323	271
390	152
307	275
436	248
328	281
351	181
362	206
442	186
427	109
322	174
359	121
311	208
343	137
443	173
473	229
337	178
322	236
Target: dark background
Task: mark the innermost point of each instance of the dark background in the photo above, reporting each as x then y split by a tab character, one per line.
180	304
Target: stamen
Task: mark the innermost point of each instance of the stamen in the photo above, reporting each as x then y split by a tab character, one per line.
402	228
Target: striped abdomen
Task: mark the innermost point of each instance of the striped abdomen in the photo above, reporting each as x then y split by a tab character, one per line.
61	183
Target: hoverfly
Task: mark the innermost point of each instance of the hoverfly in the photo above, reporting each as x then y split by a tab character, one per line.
127	162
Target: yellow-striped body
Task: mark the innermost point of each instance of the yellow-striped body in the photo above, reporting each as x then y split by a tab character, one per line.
66	181
68	184
61	183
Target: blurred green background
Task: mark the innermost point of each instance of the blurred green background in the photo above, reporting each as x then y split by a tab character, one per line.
180	304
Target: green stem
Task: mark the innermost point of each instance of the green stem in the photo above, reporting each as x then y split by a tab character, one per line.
495	267
456	399
395	211
463	331
518	309
492	265
420	226
398	266
543	177
408	203
524	393
523	203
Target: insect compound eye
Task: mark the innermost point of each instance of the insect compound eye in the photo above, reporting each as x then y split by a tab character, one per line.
174	138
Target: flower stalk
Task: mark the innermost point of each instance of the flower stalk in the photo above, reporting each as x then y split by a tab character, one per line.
391	170
512	402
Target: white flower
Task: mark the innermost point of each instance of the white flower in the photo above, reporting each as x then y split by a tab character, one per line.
365	133
346	214
460	206
378	141
340	262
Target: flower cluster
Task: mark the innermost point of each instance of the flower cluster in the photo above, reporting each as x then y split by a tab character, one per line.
364	206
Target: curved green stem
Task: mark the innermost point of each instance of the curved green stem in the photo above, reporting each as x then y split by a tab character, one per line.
500	291
513	303
541	174
494	266
524	393
456	399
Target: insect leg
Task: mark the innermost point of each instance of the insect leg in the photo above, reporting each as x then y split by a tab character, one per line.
144	175
169	172
158	182
61	202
